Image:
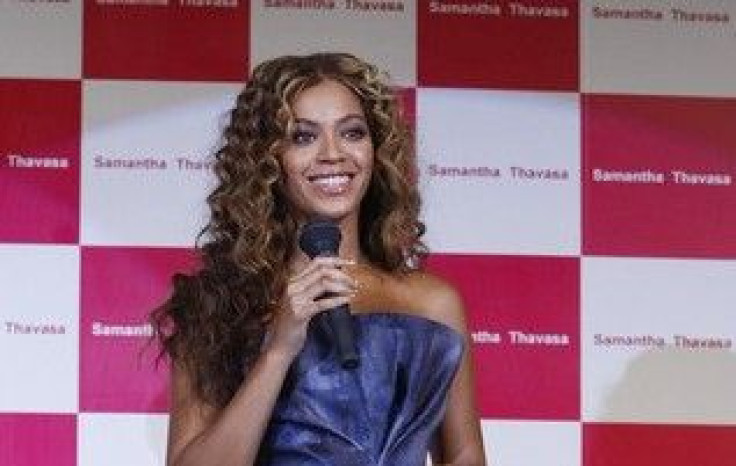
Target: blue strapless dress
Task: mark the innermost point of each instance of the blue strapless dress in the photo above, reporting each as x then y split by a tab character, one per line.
384	412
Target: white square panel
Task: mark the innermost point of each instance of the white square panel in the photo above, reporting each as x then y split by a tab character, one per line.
500	171
678	47
39	337
383	36
514	443
41	39
658	340
145	146
122	439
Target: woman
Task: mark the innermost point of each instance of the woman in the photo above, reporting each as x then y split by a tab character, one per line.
253	380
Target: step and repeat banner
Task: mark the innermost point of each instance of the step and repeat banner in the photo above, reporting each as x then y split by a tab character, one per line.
578	166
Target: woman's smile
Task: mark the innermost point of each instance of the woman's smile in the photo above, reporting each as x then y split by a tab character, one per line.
331	183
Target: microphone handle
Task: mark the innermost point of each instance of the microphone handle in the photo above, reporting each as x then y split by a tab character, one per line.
339	321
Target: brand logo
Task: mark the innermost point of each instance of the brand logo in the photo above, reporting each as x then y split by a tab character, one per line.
604	12
368	6
451	172
180	163
518	337
210	3
700	342
486	337
514	172
518	9
101	329
677	15
44	1
640	341
33	328
175	3
384	6
644	341
41	162
649	176
301	4
133	2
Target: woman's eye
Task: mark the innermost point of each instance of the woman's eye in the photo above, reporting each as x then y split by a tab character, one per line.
301	137
355	134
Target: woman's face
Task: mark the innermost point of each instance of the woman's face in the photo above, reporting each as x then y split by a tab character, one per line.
328	161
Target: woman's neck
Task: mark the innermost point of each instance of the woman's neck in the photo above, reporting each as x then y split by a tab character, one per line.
350	243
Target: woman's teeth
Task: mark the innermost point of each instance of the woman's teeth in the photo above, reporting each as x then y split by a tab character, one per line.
332	183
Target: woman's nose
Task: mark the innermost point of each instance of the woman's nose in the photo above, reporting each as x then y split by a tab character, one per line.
331	149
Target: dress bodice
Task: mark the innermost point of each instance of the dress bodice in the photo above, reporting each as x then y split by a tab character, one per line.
384	412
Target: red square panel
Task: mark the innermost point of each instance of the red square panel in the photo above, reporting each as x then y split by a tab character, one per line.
523	314
176	40
659	176
647	445
502	44
35	439
39	161
120	286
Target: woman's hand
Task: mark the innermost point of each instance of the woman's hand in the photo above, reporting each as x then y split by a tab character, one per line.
322	276
199	433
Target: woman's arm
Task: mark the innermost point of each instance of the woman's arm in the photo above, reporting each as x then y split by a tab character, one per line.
199	434
460	434
460	439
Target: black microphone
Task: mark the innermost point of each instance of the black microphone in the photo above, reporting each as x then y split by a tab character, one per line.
322	238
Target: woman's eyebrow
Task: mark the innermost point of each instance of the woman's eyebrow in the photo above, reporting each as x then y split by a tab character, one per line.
352	116
305	122
343	119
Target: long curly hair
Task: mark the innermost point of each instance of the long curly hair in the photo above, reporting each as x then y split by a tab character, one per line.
215	320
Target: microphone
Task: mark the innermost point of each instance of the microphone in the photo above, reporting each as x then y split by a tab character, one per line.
321	237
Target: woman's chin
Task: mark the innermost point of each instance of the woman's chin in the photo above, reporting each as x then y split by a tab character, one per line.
335	213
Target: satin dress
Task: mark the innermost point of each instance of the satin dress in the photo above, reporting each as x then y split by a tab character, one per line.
384	412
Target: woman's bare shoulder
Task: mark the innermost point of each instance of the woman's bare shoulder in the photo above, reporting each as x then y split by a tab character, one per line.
435	298
418	293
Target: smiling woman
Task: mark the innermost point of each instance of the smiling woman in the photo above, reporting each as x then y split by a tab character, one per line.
327	165
255	378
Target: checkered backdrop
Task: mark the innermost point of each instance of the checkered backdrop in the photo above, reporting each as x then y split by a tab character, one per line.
577	164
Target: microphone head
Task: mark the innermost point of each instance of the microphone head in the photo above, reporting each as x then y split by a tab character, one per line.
320	237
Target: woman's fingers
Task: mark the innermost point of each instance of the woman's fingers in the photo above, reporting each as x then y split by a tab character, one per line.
328	285
307	311
320	280
326	262
331	302
322	284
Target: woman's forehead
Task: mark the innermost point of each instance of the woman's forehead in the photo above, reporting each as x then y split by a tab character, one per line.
326	101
